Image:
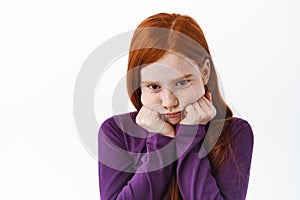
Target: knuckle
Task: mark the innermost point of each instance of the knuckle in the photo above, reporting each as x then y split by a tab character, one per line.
213	112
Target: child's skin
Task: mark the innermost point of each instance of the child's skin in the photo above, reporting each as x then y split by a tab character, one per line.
173	92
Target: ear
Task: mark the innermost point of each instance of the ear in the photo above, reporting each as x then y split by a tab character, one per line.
206	71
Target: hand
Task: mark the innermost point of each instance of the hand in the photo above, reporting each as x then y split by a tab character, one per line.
150	120
199	112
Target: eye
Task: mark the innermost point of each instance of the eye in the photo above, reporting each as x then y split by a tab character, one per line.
153	87
182	82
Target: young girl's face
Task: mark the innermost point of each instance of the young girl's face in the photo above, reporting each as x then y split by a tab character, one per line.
169	85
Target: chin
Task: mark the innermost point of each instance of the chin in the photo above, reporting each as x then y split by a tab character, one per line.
174	121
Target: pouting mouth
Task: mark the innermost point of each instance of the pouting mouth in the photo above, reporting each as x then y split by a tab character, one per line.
173	114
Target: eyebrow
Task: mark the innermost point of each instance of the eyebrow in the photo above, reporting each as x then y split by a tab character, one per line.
184	77
175	80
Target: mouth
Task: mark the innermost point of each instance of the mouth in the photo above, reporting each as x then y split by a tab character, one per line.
173	115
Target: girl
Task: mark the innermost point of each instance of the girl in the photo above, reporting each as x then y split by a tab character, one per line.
183	141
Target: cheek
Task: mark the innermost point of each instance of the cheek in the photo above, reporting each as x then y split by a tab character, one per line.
149	99
190	95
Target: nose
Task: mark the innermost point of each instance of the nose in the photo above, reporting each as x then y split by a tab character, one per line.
168	99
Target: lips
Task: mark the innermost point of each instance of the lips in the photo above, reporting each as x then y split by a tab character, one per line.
173	115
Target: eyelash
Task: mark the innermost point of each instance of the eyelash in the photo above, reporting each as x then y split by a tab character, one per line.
150	86
185	82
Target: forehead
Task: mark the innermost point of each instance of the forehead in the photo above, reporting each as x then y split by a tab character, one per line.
169	67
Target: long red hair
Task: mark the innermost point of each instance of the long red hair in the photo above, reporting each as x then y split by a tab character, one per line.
181	34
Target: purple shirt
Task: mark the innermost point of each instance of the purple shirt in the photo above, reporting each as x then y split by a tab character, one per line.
137	165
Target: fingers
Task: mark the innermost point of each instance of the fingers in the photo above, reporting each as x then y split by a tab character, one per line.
152	122
193	108
204	102
207	106
168	130
199	112
190	109
196	106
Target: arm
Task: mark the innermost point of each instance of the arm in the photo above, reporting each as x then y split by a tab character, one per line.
123	175
194	174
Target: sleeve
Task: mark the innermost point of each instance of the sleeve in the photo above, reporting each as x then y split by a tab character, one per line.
127	175
194	174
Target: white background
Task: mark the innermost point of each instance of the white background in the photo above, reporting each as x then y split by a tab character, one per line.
255	48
